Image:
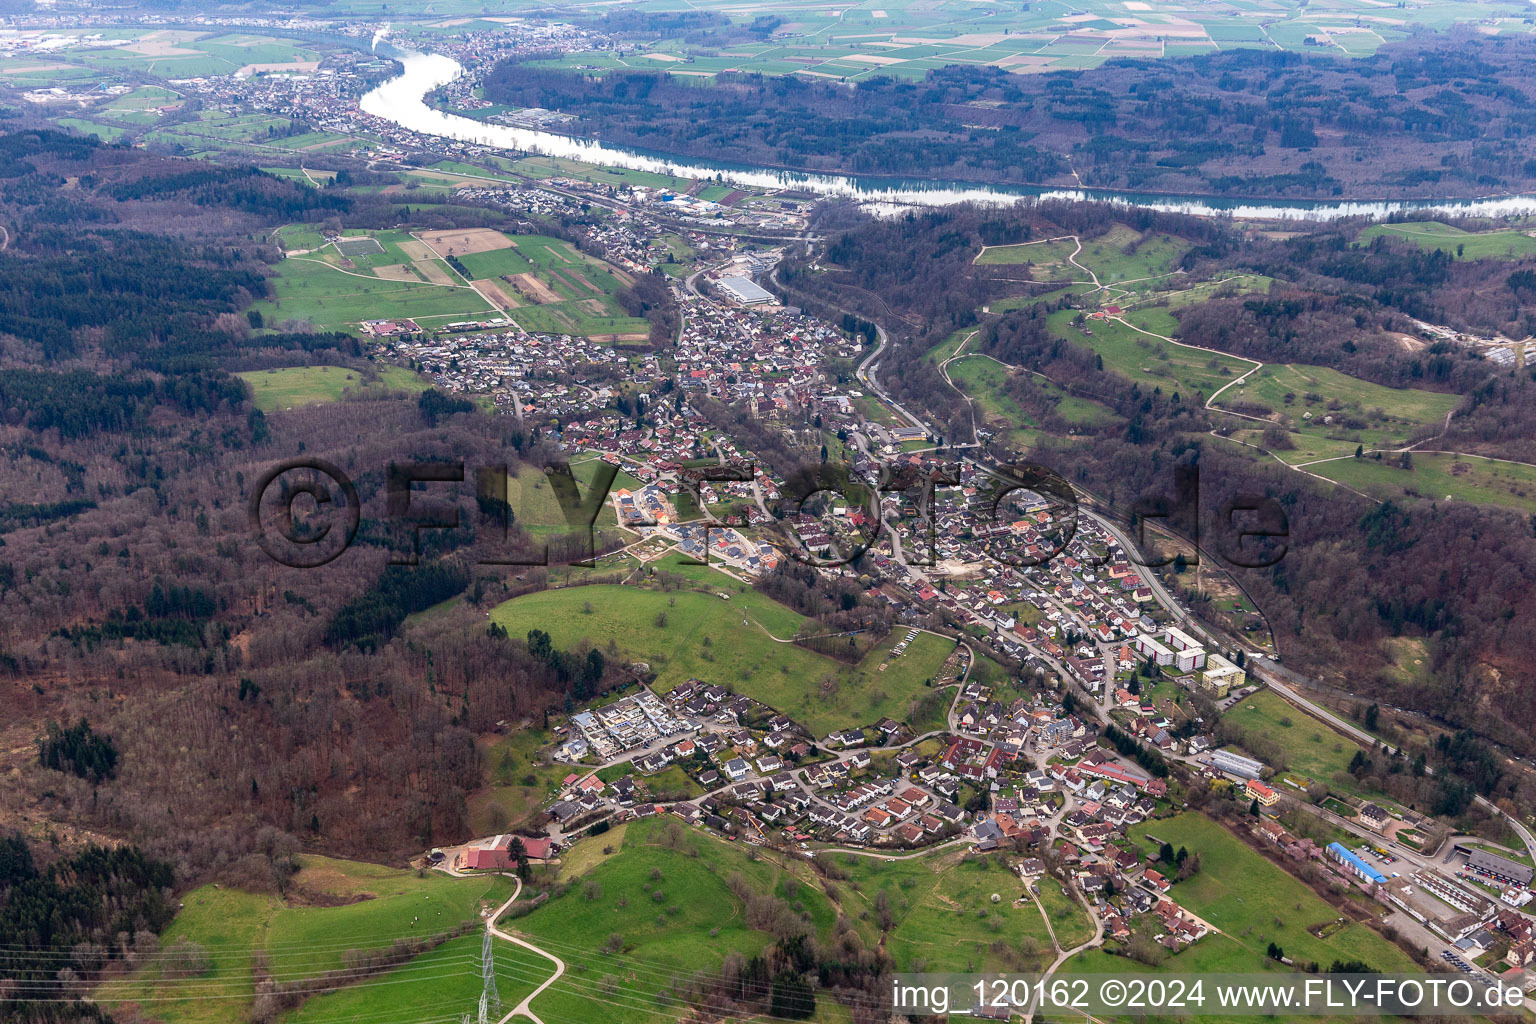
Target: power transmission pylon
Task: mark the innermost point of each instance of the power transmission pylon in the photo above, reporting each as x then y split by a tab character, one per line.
490	999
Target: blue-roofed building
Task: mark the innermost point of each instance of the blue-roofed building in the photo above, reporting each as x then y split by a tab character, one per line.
1357	867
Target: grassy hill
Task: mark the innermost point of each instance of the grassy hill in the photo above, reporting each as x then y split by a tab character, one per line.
1329	412
735	640
293	386
1468	245
1439	478
942	915
1147	359
658	908
437	983
333	907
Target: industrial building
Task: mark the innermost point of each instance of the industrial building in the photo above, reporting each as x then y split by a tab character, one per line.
1481	862
745	291
1354	865
1236	764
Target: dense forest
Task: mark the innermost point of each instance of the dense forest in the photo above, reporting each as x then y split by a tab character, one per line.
138	616
884	126
1439	115
60	923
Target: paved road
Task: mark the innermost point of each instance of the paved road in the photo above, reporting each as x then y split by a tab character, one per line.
877	855
524	1008
1063	955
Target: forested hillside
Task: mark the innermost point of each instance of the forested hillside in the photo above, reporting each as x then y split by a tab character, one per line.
1414	119
203	692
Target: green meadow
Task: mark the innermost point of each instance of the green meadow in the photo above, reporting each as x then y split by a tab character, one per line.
1124	255
1311	747
1439	478
1150	360
1252	903
1119	256
942	916
447	979
519	783
335	299
658	909
1468	245
294	386
334	906
985	380
736	641
1048	257
1360	412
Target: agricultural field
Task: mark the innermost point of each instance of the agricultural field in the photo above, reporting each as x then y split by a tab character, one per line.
550	285
942	917
1439	478
298	237
1150	360
104	132
186	53
40	72
907	38
660	906
736	642
333	298
211	128
1253	903
288	388
304	934
146	99
1464	245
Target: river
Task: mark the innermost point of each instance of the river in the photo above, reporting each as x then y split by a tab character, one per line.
402	100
